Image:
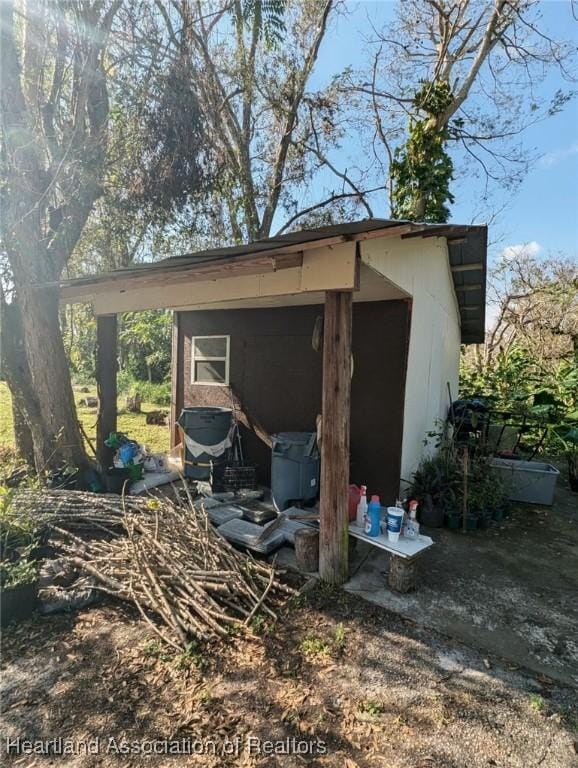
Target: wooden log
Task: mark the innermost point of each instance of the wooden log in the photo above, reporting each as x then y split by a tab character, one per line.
307	549
333	542
402	573
106	367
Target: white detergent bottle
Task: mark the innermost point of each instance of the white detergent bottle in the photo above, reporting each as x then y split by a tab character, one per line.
361	509
412	523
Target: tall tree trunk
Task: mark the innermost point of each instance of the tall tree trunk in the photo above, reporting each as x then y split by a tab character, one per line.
25	409
57	437
22	434
51	180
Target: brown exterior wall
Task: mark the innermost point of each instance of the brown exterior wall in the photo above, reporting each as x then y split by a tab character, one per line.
275	376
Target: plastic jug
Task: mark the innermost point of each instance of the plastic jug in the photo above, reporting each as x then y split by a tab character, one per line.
361	512
373	516
354	497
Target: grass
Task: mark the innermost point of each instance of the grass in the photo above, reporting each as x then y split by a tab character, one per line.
371	708
537	703
133	424
313	646
339	638
190	656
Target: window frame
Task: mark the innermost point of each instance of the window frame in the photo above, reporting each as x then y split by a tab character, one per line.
205	358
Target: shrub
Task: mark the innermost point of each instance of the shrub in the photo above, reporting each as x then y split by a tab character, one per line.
151	392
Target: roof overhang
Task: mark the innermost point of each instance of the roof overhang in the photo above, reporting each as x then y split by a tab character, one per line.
301	262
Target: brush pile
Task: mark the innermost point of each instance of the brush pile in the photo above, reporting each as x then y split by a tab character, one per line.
164	558
75	509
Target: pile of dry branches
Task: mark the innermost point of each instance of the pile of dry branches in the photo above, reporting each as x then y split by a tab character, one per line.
75	509
166	559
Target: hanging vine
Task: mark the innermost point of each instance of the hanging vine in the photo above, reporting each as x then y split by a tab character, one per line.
422	170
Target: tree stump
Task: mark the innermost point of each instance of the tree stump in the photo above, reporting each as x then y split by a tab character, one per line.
402	573
133	403
307	549
157	417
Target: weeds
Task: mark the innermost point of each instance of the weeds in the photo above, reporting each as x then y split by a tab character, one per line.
190	656
537	703
371	707
339	638
261	626
313	646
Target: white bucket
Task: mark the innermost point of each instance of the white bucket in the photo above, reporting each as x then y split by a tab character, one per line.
394	521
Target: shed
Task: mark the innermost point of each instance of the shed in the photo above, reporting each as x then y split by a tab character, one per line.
396	298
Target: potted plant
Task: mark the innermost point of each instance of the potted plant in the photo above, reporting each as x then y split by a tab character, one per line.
19	541
453	510
434	485
570	444
494	495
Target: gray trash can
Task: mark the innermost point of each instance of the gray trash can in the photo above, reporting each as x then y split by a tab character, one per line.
210	428
294	468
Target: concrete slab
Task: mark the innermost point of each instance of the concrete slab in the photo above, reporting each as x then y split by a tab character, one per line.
511	590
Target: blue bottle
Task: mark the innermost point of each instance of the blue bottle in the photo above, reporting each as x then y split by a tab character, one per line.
373	517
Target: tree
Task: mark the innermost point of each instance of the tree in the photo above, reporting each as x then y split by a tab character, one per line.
452	81
53	145
146	338
536	304
530	357
269	136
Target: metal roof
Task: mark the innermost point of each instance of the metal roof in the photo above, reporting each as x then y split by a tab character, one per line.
467	247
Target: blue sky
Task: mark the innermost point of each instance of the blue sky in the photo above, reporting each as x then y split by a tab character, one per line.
544	209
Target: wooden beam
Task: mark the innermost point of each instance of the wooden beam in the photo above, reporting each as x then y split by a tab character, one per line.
175	274
106	367
334	539
324	269
176	371
467	267
396	230
453	231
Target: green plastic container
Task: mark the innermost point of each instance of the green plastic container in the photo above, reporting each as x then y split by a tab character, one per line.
498	514
135	472
452	521
471	523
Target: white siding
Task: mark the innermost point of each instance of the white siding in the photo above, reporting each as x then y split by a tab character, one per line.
420	267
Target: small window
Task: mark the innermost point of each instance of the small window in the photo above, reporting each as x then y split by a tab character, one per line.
210	360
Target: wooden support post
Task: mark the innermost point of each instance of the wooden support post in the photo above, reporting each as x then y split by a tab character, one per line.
176	371
333	540
106	367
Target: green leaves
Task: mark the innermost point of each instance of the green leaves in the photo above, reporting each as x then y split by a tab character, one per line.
522	389
421	170
269	14
146	339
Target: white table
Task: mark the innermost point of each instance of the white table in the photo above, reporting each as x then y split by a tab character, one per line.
403	547
405	554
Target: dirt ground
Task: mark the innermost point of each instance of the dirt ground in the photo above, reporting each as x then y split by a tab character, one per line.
350	683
